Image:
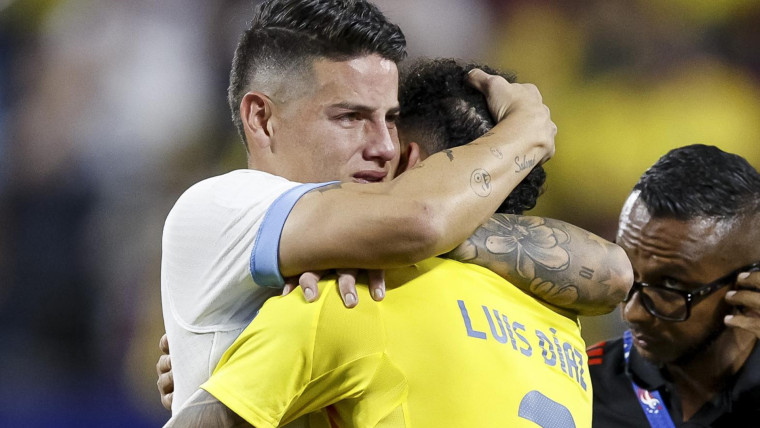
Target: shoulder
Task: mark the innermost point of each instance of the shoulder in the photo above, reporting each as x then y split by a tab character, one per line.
326	330
605	355
607	369
615	404
241	193
235	188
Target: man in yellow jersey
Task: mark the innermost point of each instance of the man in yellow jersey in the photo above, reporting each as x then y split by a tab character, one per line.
453	344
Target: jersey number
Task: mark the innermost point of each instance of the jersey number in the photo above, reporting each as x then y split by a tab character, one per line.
544	411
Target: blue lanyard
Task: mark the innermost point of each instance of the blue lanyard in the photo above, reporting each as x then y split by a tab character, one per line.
650	401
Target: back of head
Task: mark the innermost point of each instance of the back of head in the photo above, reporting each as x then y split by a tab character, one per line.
286	36
700	181
440	111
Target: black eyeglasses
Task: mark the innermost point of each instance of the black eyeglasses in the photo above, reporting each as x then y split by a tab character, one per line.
675	305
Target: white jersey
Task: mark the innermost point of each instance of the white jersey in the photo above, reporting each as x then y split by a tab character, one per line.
207	290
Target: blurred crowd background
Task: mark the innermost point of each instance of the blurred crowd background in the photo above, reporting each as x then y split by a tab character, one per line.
110	109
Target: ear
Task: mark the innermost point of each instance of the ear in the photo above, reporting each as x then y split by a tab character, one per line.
411	155
256	111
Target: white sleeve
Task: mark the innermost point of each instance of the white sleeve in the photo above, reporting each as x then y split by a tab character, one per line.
207	290
209	234
265	264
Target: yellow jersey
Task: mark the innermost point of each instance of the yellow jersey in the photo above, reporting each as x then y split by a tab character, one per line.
451	345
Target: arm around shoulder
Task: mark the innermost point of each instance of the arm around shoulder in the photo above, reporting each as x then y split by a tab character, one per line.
429	209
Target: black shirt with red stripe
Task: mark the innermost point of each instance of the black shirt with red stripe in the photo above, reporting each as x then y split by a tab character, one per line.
616	404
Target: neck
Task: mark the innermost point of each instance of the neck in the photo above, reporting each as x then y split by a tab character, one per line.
700	378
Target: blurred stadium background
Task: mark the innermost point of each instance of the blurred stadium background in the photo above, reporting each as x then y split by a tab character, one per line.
110	109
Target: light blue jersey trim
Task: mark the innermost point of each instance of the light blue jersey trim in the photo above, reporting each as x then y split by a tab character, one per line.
265	264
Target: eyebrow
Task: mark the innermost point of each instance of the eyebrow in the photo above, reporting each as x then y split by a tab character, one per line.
396	110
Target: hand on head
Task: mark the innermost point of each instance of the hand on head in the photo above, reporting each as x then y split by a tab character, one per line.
517	101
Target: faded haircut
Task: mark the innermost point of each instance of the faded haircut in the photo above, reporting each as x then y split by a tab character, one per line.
285	37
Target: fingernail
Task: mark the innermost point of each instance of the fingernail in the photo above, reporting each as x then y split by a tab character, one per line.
730	293
743	275
378	294
308	294
349	299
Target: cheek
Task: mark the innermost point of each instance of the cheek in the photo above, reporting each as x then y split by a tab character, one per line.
634	311
711	311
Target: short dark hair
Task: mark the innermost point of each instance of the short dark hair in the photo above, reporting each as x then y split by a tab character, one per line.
288	35
700	181
440	111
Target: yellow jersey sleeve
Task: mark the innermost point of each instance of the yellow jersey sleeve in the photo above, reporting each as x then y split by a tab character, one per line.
297	357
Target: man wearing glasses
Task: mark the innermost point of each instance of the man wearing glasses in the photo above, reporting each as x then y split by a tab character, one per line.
691	356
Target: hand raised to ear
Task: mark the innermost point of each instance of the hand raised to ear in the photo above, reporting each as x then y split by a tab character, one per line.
746	299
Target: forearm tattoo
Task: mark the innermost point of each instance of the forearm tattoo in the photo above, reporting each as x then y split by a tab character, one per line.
546	258
450	154
524	163
480	181
204	410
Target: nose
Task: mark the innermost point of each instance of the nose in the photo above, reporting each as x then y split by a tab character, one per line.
634	311
382	142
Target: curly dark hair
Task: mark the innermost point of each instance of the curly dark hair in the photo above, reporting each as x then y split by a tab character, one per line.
288	35
440	111
700	181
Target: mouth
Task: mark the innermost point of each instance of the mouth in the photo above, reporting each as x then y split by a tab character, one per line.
643	340
369	176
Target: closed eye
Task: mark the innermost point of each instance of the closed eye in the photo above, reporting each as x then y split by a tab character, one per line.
350	117
673	284
391	120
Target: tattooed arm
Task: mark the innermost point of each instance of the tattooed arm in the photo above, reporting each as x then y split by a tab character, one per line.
204	410
556	262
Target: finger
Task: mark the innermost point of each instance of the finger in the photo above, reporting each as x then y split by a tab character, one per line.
308	282
747	300
166	400
347	286
288	288
479	79
376	284
163	344
751	324
164	364
500	94
166	383
748	280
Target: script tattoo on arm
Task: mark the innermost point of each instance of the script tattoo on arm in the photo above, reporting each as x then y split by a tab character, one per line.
204	410
524	163
556	262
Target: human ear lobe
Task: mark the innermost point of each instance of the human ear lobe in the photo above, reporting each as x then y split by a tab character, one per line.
411	155
256	111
